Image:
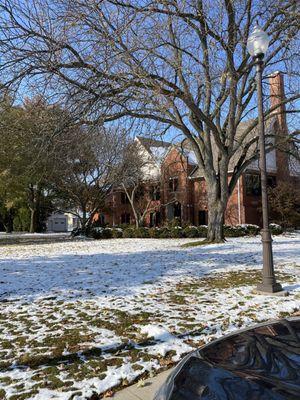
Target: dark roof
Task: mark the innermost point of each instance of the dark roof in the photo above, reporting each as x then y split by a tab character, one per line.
240	143
149	142
186	149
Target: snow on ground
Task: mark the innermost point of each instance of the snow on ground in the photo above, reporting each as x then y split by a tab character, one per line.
15	235
84	317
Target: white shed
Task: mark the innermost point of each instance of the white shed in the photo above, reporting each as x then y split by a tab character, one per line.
62	222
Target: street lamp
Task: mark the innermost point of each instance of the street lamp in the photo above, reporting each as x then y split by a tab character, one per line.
257	45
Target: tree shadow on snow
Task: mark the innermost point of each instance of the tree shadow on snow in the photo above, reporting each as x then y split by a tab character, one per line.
87	276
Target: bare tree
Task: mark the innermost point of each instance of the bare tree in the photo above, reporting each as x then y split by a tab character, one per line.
142	192
179	63
284	202
87	162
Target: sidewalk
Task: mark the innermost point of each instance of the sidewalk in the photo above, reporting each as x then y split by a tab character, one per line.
146	392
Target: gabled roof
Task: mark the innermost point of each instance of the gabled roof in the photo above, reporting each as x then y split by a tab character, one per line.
156	148
149	142
240	143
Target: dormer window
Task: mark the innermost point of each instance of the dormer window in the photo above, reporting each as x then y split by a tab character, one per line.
173	184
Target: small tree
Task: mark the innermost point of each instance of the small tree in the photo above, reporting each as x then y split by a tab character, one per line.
284	202
142	196
140	189
87	161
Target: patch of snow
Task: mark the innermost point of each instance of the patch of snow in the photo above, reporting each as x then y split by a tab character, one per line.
49	289
168	342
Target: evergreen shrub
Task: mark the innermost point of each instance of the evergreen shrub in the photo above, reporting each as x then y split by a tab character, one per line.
142	233
129	233
154	233
177	232
202	230
234	231
250	229
191	232
117	233
276	229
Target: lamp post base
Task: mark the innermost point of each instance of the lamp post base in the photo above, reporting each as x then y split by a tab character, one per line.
274	289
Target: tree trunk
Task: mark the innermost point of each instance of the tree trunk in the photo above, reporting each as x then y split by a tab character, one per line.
9	221
32	204
83	219
32	228
215	224
216	211
136	217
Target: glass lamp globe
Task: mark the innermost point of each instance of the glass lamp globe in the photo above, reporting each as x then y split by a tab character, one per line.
258	42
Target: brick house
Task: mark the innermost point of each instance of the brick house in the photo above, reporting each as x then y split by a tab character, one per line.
181	189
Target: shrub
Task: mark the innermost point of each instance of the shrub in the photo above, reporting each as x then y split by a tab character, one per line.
276	229
95	233
117	233
101	233
191	232
164	233
202	230
284	201
250	229
176	232
234	231
154	233
141	232
129	233
173	223
107	233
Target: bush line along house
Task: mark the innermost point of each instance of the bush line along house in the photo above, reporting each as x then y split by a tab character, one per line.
177	188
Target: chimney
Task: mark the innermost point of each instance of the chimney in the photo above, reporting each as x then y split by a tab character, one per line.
277	95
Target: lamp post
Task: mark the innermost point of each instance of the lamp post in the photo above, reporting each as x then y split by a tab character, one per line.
257	45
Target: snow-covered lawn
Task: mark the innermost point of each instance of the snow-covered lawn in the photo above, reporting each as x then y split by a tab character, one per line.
87	316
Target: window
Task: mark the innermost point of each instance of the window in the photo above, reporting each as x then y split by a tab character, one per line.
125	218
252	182
155	193
173	184
202	217
177	210
155	219
253	186
124	198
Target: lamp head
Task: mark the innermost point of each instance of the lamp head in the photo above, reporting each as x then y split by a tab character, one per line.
258	42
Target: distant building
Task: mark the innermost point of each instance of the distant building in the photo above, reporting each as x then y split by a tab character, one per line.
181	194
62	222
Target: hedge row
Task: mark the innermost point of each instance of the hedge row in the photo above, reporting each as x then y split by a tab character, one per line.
178	232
